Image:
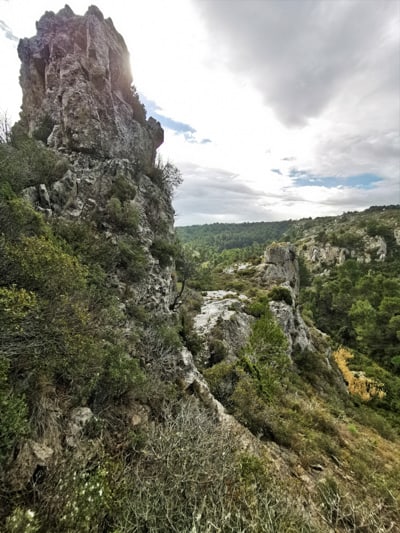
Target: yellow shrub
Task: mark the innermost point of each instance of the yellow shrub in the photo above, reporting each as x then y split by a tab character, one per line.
357	383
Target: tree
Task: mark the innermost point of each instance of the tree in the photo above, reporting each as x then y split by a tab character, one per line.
5	128
186	265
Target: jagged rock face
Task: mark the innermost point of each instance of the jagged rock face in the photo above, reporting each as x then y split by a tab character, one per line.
77	89
326	255
78	99
319	257
280	267
222	318
293	326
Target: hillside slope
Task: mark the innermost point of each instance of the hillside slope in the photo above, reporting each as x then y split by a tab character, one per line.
132	402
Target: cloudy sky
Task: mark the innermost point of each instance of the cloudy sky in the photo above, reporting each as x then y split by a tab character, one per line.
272	109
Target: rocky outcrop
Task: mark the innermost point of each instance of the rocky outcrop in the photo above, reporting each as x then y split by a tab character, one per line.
77	89
327	255
320	256
223	325
374	248
78	99
279	266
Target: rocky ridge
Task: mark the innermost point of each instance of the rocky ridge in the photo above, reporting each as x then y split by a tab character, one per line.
79	102
367	237
78	99
280	268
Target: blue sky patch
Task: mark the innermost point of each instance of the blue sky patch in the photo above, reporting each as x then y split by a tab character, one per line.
359	181
179	127
152	110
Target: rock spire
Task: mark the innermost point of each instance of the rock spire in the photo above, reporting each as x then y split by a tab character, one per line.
78	92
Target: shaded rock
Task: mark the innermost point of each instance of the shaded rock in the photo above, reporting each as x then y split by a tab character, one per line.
44	197
326	255
279	266
33	455
293	326
79	417
376	247
77	89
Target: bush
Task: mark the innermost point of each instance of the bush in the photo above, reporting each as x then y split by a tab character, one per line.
18	218
123	189
22	521
281	294
188	478
132	259
25	162
81	238
258	306
164	251
123	215
13	414
167	176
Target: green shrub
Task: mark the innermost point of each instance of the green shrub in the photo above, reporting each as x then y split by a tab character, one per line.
258	306
123	189
22	521
40	264
25	162
77	496
123	215
281	294
88	244
13	414
132	259
18	218
164	251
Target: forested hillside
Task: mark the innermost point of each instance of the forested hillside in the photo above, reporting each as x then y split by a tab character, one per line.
350	286
219	236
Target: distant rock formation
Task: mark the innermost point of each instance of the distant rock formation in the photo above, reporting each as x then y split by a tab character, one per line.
77	89
321	256
280	266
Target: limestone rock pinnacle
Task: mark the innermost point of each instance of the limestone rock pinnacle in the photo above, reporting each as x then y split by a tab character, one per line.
78	93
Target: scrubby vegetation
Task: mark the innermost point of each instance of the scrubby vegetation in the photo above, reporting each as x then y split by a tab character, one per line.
151	457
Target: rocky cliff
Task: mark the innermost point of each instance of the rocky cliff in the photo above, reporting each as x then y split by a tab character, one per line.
280	268
78	99
77	89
